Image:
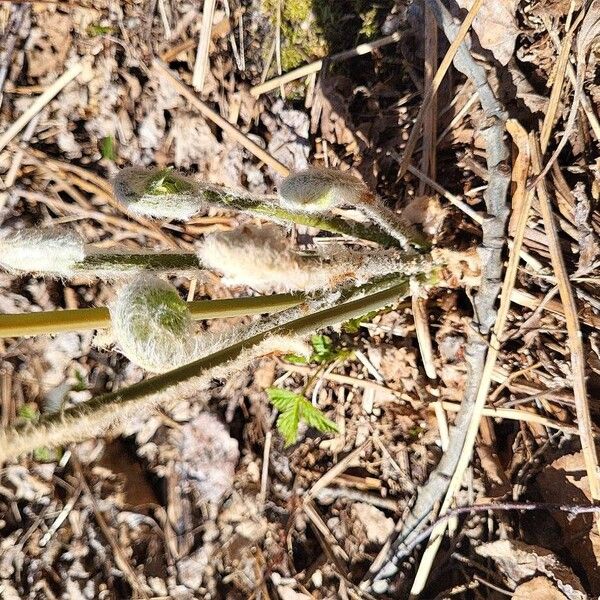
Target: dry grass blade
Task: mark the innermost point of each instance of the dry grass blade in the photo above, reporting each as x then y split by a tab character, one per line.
557	86
574	333
9	41
327	539
216	118
336	470
202	61
316	66
457	201
590	29
517	415
343	379
429	156
420	315
453	198
530	301
411	144
524	201
60	206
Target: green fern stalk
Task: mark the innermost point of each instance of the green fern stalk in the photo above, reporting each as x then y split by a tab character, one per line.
82	319
117	262
332	224
102	412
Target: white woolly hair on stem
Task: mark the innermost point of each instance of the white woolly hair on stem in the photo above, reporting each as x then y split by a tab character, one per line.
78	426
61	252
317	190
162	193
158	192
42	250
261	258
102	412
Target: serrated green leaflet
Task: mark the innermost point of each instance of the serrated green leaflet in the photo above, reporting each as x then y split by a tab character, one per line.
296	359
295	408
282	400
322	345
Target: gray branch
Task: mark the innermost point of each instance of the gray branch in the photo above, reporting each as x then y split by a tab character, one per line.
484	303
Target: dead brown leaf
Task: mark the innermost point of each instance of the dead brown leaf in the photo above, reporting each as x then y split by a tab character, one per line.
48	46
426	211
565	480
496	27
377	527
538	588
519	561
289	136
589	248
330	113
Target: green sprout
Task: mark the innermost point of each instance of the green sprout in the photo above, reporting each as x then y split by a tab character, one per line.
108	148
166	181
294	409
323	352
96	30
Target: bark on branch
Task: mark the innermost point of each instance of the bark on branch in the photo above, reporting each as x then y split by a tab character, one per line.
493	129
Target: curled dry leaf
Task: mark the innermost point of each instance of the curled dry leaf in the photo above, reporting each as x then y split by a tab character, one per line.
589	246
289	139
48	46
288	593
496	26
461	267
519	561
426	211
565	481
377	527
554	9
538	588
330	113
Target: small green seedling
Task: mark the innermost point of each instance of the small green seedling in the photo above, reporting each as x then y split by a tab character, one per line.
323	352
108	148
294	409
96	30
